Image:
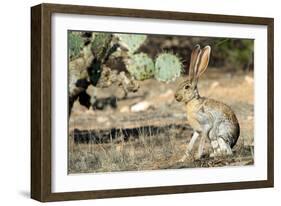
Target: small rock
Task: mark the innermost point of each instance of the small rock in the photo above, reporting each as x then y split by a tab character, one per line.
141	106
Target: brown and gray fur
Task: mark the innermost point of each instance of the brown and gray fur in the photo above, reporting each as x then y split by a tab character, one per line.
211	120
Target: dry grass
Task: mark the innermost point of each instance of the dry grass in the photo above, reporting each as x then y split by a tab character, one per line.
147	152
142	153
162	150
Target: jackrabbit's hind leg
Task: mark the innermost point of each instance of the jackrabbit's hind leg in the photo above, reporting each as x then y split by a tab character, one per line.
220	147
224	147
215	146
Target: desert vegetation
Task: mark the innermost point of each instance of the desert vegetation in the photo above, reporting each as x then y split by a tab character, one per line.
122	111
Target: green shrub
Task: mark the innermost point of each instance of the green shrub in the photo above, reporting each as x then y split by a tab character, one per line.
75	44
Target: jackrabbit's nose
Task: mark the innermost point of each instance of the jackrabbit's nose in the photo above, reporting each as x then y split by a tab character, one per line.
178	97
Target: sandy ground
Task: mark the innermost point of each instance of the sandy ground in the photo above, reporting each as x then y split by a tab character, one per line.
150	128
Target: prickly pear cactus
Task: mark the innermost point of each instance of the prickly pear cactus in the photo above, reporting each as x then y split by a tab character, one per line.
167	67
75	43
140	66
101	45
132	42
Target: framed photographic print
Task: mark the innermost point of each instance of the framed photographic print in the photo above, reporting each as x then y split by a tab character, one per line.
132	102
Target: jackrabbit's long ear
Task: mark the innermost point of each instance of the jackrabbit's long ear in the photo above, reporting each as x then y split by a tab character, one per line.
193	61
203	61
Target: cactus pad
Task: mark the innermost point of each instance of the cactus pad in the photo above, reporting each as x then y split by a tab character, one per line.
100	45
140	66
75	44
131	41
167	67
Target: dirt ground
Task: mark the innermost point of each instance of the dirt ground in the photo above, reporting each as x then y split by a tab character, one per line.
148	130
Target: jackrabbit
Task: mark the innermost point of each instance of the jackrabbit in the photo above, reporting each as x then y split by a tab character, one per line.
211	120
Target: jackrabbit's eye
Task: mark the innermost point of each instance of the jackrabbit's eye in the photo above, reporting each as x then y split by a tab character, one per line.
186	87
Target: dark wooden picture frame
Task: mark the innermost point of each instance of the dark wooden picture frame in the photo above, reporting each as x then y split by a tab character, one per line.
41	117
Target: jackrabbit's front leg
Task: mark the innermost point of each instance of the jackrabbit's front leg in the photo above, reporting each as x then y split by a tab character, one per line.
201	146
206	124
192	142
190	146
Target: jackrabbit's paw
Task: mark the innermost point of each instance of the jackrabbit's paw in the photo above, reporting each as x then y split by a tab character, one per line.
186	157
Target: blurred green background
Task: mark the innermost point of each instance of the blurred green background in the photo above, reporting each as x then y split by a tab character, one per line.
228	54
